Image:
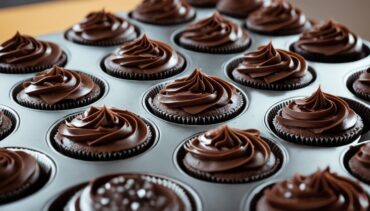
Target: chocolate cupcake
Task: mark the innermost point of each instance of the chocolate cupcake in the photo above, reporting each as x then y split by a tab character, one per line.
196	99
361	85
163	12
102	29
20	174
130	192
25	54
231	155
144	59
330	42
272	69
238	8
203	3
214	34
322	190
59	88
359	163
6	124
320	119
278	17
103	134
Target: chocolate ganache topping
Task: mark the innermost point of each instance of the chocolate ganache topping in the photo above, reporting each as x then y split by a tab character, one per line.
17	170
57	84
163	11
129	192
360	163
238	8
214	31
363	156
102	26
363	82
112	128
279	18
321	190
272	65
197	93
226	149
319	113
26	51
146	56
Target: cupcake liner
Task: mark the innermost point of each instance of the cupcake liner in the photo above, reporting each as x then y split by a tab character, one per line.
193	120
118	73
166	23
47	169
349	153
350	82
13	122
236	47
67	104
78	40
102	156
199	4
327	141
276	150
274	86
16	69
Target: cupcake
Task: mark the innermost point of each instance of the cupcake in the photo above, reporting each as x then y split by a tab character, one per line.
320	119
6	124
144	59
272	69
196	99
214	34
163	12
231	155
203	3
102	29
59	88
103	134
278	17
359	163
361	85
330	42
322	190
25	54
130	192
20	174
238	8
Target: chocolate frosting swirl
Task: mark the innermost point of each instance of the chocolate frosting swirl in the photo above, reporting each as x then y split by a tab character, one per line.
321	190
238	8
197	93
226	149
109	127
363	82
214	31
128	192
363	157
329	38
146	56
103	26
57	84
319	113
26	51
279	18
17	170
163	11
272	65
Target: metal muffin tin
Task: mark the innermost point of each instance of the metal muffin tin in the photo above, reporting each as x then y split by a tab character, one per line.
35	125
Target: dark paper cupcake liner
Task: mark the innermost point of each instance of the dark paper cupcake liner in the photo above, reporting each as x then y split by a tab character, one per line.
326	141
102	156
276	150
349	153
118	73
199	4
274	86
192	120
67	104
166	23
13	119
350	82
10	69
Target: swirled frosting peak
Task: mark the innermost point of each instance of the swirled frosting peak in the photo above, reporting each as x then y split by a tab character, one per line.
318	113
197	93
26	51
363	82
238	8
17	170
279	18
226	149
321	190
363	157
113	128
57	84
272	65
